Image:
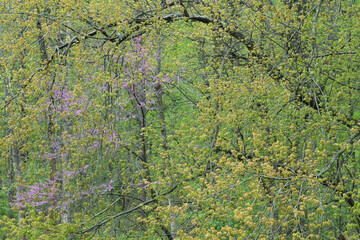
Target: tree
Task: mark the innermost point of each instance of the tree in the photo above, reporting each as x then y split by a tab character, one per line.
182	119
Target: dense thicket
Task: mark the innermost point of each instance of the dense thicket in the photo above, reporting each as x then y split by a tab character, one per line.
198	119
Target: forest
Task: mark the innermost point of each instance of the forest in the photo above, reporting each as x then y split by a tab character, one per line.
179	119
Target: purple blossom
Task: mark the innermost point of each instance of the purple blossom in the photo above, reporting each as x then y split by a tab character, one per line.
47	193
78	112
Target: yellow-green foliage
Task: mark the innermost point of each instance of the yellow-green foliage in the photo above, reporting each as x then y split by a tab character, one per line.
180	119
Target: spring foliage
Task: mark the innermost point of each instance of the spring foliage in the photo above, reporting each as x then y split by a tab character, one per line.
155	119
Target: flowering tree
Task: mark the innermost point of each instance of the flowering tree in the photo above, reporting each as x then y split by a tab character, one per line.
180	119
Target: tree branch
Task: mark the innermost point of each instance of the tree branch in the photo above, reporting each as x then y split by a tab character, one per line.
338	154
108	219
